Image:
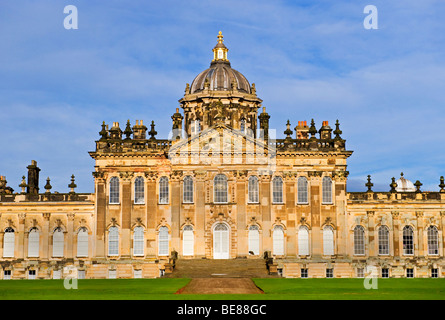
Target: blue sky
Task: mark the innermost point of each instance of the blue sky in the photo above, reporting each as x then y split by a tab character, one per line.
308	59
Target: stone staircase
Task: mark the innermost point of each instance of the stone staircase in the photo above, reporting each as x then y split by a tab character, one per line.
215	268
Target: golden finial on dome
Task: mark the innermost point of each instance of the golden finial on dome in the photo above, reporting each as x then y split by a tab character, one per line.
220	50
220	37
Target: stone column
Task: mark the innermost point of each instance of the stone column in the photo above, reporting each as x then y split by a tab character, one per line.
45	237
126	208
151	207
396	236
290	240
21	235
175	179
420	241
314	202
442	226
101	207
241	223
200	213
371	234
70	236
265	210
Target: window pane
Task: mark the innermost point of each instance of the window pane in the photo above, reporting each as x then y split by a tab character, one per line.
188	190
220	189
113	241
58	242
163	190
302	193
383	240
163	241
327	190
433	240
138	241
114	190
328	241
303	241
139	191
254	240
277	190
278	240
359	240
253	189
408	240
82	243
33	242
8	243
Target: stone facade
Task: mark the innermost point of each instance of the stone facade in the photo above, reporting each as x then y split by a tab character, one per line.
221	187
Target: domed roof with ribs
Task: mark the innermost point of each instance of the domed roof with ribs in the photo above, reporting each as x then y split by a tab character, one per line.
220	76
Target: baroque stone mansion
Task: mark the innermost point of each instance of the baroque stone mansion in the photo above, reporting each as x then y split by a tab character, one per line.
221	187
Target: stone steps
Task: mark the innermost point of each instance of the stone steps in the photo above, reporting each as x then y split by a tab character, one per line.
210	268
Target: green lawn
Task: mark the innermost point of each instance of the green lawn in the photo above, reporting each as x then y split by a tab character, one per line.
164	289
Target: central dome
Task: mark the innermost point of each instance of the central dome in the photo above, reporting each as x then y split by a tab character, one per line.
220	76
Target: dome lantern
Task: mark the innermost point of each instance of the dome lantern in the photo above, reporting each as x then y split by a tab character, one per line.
220	50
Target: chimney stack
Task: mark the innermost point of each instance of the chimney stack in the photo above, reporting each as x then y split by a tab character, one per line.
33	178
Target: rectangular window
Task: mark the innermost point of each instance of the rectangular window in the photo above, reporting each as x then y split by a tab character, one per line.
434	273
360	273
385	273
304	273
410	273
329	273
7	275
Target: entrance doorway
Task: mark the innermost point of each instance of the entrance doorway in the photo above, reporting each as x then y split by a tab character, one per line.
221	241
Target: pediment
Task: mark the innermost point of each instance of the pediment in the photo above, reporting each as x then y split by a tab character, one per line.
221	141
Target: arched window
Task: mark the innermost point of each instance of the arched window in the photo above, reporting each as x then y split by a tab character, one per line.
58	242
253	189
302	193
114	190
188	190
433	240
163	190
408	240
327	190
254	240
82	242
220	189
139	191
188	241
33	243
359	240
383	240
278	240
113	241
277	190
8	243
303	241
163	241
328	241
138	241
